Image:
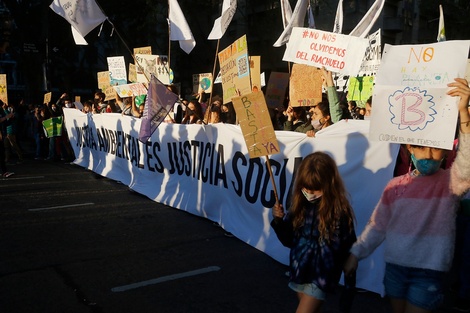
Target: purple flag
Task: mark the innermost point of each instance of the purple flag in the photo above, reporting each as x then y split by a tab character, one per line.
158	103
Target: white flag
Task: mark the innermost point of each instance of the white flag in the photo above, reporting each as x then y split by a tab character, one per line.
363	27
441	35
83	15
286	12
311	20
338	26
297	20
79	40
179	28
229	7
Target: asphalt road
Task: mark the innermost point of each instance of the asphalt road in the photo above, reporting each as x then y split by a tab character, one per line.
72	241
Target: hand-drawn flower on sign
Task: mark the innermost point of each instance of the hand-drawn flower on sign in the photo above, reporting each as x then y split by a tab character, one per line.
411	108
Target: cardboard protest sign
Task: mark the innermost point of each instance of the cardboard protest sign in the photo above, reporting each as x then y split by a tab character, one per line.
129	90
202	82
467	72
276	89
360	88
132	73
337	53
47	97
3	88
256	124
143	50
104	80
255	72
53	127
110	93
410	101
117	70
305	85
148	64
235	69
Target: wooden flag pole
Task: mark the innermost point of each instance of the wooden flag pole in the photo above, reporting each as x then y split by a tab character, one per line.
268	163
213	79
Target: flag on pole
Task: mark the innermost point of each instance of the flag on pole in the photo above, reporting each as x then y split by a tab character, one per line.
338	26
229	7
363	27
83	15
79	40
179	28
159	102
297	20
441	35
311	20
286	12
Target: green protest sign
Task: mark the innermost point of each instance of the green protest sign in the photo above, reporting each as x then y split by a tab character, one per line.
53	126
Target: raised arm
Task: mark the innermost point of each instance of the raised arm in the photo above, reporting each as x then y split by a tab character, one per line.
333	100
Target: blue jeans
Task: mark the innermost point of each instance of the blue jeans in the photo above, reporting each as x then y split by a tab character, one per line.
420	287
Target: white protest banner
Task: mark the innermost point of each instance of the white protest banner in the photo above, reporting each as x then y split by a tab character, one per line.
117	70
410	101
337	53
276	89
202	82
256	125
235	69
148	64
205	170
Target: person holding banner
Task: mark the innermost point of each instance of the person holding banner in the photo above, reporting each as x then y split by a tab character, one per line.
297	120
318	228
193	113
415	218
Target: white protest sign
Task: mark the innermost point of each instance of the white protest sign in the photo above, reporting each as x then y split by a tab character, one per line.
148	64
337	53
410	101
117	70
370	63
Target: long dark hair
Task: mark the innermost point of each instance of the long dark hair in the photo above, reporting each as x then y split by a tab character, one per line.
318	171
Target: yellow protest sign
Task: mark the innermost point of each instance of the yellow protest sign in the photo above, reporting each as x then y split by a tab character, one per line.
143	50
256	124
360	88
235	69
305	85
110	93
3	88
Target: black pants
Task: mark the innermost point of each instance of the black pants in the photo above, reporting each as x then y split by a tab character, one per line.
3	166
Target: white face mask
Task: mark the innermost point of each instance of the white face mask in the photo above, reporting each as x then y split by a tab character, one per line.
68	105
310	196
317	125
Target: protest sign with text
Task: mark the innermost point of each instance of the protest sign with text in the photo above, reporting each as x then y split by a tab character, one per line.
117	70
47	97
337	53
235	69
3	88
104	80
305	85
256	125
255	72
148	64
129	90
360	88
410	101
276	89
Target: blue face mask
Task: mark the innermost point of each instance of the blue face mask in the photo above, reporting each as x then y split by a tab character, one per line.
426	166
